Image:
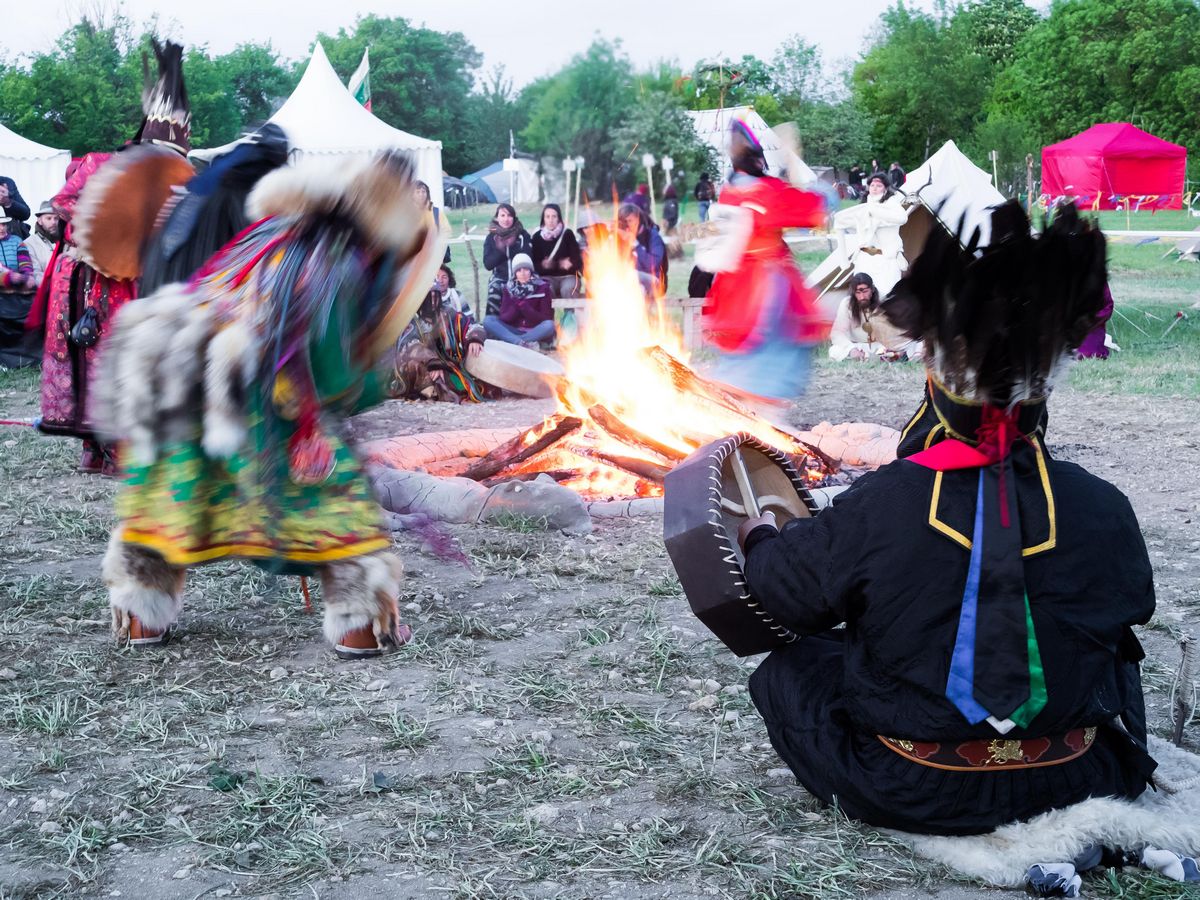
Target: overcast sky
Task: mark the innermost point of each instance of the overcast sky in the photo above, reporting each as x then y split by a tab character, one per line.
528	38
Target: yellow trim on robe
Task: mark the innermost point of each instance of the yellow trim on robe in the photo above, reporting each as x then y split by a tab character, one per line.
914	420
959	538
168	551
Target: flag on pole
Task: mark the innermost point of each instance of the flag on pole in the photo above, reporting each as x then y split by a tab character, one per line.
360	82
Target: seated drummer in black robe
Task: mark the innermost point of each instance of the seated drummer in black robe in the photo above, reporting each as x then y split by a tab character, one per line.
968	656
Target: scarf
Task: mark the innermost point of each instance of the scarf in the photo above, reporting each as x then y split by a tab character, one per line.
505	237
521	291
551	234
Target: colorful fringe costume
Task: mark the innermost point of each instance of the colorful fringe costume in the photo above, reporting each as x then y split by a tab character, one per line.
228	393
432	353
988	671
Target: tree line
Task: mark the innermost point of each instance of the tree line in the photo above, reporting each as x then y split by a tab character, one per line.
988	74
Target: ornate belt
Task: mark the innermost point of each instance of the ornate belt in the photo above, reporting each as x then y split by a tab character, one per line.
993	755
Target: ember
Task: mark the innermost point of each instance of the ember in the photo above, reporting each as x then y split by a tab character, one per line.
630	407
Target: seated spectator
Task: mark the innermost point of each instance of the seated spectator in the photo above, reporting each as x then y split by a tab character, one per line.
15	207
1097	343
18	347
556	254
431	355
505	240
670	209
896	175
40	243
451	298
647	248
526	312
424	200
862	331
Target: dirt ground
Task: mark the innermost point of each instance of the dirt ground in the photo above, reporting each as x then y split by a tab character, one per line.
561	727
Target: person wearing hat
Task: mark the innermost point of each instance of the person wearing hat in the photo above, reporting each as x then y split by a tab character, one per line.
870	234
78	302
526	311
988	670
13	205
41	241
16	296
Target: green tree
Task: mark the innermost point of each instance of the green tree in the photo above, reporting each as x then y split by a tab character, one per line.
420	78
493	113
995	27
728	82
577	111
659	124
1095	61
923	83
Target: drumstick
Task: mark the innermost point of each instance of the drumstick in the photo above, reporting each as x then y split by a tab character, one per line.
742	477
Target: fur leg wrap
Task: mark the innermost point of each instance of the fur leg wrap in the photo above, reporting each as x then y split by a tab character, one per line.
230	367
360	592
140	583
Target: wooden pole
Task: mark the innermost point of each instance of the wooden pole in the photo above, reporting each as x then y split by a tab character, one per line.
1029	185
578	182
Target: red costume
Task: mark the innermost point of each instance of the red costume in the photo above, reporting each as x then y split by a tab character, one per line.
738	297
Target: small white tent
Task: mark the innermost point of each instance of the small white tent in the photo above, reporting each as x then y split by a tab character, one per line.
946	189
520	185
712	127
39	172
322	119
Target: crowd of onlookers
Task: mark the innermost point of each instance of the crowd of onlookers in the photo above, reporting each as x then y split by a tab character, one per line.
24	254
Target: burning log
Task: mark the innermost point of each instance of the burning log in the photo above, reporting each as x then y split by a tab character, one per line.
626	435
559	476
642	468
521	448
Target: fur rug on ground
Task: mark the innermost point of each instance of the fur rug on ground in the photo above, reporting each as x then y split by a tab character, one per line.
1167	818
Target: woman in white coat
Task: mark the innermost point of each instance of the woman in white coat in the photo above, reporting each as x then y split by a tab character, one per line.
870	234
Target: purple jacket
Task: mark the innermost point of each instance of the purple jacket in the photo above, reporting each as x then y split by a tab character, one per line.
532	308
1093	344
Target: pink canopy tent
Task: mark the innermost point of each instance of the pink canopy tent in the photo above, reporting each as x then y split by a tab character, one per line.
1114	163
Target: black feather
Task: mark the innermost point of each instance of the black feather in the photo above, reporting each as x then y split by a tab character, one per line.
999	322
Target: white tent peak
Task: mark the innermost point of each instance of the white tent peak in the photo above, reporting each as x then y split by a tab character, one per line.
955	189
322	118
39	171
712	127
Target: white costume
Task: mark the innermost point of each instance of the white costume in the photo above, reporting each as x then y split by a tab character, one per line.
873	244
874	335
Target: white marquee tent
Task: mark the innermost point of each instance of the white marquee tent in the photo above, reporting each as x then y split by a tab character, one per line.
712	127
39	172
322	119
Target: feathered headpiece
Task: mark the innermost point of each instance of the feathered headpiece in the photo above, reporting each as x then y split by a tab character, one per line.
167	113
999	324
745	152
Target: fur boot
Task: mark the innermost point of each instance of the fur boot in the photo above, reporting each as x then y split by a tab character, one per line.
360	593
140	584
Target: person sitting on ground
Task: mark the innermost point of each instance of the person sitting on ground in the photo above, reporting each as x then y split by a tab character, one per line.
670	209
432	353
526	311
424	200
42	239
506	239
18	347
862	331
988	671
556	254
15	207
647	248
446	284
1097	344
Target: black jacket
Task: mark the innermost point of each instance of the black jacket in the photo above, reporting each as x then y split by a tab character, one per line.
497	259
568	249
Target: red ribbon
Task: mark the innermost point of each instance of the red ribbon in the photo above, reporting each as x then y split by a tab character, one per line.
995	436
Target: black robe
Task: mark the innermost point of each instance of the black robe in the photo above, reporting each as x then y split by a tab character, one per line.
874	562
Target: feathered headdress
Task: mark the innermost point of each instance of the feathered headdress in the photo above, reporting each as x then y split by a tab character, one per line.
999	324
745	152
167	113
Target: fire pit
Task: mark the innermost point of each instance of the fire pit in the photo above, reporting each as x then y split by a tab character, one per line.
629	409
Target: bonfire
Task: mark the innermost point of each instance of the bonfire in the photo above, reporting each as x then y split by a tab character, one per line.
630	406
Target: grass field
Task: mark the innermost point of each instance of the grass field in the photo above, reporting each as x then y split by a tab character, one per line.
562	727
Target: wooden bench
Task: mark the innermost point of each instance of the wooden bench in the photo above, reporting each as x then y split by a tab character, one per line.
692	309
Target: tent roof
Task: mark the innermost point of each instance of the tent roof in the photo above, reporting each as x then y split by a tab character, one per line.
13	146
712	127
953	188
321	116
1115	139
